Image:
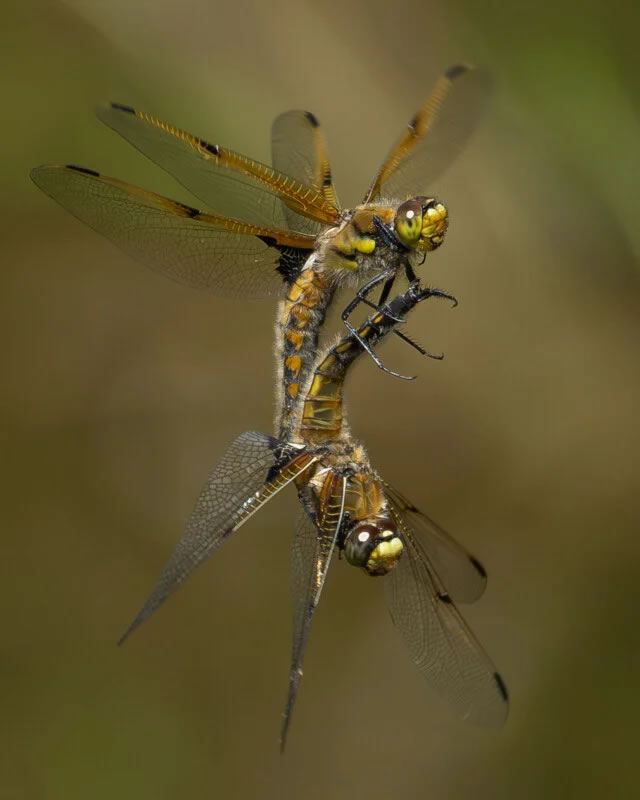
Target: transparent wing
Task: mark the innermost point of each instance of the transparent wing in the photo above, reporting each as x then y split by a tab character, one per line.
244	480
461	574
436	134
441	644
227	182
205	251
314	540
298	149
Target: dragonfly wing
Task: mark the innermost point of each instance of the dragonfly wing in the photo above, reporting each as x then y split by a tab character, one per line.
205	251
314	541
435	135
441	644
298	149
227	182
462	575
251	472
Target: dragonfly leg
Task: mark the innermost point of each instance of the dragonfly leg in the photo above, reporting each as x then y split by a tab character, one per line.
384	294
442	295
361	297
386	290
419	347
425	293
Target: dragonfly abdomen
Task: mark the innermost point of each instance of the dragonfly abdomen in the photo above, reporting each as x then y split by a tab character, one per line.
300	316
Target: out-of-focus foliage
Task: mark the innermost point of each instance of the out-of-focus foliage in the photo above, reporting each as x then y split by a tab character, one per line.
121	391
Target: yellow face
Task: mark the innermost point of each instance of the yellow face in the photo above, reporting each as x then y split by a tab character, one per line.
374	545
421	223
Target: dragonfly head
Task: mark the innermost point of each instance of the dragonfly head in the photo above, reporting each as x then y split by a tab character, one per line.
421	223
374	545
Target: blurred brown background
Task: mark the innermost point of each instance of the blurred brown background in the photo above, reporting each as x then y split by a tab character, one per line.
123	389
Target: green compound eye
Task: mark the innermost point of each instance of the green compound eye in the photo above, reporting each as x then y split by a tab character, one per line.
408	222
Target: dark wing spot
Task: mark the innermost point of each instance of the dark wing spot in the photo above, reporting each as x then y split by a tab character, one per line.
269	241
188	210
456	71
501	686
83	170
291	259
445	598
282	456
121	107
211	148
479	568
414	122
312	119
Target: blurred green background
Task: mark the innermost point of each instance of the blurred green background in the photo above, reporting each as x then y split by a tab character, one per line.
122	390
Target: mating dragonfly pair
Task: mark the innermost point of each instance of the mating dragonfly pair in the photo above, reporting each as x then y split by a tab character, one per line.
279	226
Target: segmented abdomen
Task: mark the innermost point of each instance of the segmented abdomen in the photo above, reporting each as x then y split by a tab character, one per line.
300	316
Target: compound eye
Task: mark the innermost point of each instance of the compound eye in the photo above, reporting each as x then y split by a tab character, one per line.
359	544
408	222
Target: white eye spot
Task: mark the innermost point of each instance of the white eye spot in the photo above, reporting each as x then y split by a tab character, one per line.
410	214
387	534
364	536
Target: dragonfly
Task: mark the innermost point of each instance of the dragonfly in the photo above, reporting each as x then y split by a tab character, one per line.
346	506
280	230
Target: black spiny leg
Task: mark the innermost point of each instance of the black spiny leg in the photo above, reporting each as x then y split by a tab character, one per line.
391	241
386	290
418	347
384	294
361	297
408	271
411	277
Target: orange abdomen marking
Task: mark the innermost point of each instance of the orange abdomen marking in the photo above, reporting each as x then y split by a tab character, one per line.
302	314
293	364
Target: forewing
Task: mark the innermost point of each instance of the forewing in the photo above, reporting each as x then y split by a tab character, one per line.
314	541
205	251
441	644
461	574
435	135
247	477
227	182
298	149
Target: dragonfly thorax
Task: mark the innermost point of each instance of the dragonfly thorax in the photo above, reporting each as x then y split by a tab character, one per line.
374	545
378	237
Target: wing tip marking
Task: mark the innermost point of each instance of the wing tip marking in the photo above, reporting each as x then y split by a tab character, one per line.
312	119
123	107
457	70
478	566
82	170
501	686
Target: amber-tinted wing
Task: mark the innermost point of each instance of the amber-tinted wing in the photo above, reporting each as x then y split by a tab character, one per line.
441	644
461	574
205	251
298	149
435	135
227	182
244	480
314	541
